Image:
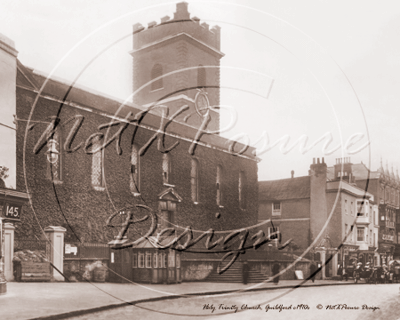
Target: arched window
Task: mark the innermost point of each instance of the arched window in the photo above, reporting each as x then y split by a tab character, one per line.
166	167
156	72
97	164
219	185
54	157
242	190
135	171
201	77
194	180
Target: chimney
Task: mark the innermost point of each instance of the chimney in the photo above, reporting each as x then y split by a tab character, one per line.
292	173
318	205
182	12
164	19
8	72
343	169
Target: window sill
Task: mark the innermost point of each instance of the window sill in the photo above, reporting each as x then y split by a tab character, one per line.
97	188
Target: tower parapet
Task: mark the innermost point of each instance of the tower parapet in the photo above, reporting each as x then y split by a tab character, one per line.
181	23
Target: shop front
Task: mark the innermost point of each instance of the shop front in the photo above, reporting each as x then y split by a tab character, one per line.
11	203
146	262
349	257
386	252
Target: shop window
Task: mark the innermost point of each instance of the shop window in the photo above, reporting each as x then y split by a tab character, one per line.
141	260
148	260
97	164
242	190
156	72
194	180
219	185
135	171
134	260
276	209
166	167
54	157
360	234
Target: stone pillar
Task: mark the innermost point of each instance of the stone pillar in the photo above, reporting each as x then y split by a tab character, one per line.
56	237
8	251
323	260
335	264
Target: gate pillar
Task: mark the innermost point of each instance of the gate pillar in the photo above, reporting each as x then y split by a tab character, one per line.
56	237
8	251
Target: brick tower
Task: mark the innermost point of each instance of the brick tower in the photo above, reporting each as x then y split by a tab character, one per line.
184	55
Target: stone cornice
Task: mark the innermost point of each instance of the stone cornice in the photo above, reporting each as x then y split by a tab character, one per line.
7	48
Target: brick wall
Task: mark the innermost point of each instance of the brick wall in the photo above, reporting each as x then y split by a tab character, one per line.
75	203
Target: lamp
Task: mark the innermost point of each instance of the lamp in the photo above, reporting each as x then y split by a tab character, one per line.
52	152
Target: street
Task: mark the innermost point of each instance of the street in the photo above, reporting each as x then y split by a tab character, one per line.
331	302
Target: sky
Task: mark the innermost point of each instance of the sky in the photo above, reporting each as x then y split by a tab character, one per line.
294	71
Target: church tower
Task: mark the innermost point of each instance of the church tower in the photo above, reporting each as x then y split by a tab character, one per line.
174	61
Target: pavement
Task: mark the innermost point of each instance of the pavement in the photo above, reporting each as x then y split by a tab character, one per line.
61	300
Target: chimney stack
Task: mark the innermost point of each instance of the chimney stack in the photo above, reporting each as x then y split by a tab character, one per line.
292	173
318	206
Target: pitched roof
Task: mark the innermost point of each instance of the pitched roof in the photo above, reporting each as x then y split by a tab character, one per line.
72	94
292	188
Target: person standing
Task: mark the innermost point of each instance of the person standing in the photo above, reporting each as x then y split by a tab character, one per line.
275	271
245	272
340	272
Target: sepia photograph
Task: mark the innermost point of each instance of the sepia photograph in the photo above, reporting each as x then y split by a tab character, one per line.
228	159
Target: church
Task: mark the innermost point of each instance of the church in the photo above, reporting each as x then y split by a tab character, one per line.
92	164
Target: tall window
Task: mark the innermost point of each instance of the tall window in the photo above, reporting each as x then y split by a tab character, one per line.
166	167
219	185
194	180
156	72
97	164
54	156
274	233
201	76
135	171
360	234
242	190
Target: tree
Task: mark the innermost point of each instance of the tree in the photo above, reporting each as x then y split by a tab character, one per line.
3	172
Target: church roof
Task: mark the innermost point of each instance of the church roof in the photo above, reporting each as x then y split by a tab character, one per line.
67	93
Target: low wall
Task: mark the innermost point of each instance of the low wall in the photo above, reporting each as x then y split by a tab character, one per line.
84	269
196	270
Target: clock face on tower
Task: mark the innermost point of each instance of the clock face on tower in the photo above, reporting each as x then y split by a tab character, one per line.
201	103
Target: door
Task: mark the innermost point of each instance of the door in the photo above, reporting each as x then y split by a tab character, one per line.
120	265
